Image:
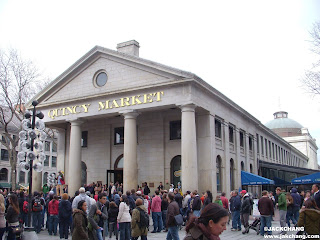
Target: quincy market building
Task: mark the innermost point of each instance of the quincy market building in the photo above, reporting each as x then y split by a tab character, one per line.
123	118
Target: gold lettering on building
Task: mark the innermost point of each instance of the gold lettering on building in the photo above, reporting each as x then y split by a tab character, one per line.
108	104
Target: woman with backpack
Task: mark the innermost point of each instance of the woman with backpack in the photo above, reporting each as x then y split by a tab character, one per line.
140	221
12	216
124	218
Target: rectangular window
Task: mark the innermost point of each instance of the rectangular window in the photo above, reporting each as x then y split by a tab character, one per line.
250	143
241	139
269	149
84	139
266	146
276	152
54	147
217	125
119	135
273	150
262	150
4	155
3	139
175	130
54	161
258	145
231	134
47	146
46	161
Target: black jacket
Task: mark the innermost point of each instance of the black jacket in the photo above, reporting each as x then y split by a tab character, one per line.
113	214
178	198
236	204
246	204
65	210
12	216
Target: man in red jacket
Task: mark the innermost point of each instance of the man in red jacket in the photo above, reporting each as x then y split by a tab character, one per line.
53	211
156	213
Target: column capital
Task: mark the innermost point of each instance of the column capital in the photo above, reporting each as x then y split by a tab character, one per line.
190	107
129	114
76	122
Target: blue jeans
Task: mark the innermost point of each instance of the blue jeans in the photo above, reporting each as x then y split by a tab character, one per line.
2	230
64	227
289	217
99	234
196	213
125	230
157	221
105	229
53	224
295	212
36	217
164	217
113	229
173	233
265	222
236	224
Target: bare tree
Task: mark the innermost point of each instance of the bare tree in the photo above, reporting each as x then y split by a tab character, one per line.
311	80
19	81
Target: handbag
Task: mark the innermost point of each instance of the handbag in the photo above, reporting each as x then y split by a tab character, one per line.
17	230
178	219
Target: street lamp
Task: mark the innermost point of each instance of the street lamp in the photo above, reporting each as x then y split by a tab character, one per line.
31	155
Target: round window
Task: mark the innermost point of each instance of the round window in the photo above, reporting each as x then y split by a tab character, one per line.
101	79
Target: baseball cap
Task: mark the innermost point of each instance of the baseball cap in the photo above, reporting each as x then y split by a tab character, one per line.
243	191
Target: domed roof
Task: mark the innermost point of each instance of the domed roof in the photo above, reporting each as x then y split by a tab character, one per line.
281	120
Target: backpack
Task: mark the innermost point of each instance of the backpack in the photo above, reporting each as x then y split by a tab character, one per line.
25	207
144	219
37	207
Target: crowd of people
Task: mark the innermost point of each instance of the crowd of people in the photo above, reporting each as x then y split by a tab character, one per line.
97	212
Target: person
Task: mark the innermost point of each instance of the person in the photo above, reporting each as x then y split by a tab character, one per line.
218	200
97	216
156	213
282	205
173	210
137	229
65	212
207	198
124	218
265	207
2	212
224	200
53	212
178	198
112	219
146	189
171	189
82	196
110	196
211	223
164	208
37	207
196	203
302	196
60	183
12	215
296	203
290	215
80	221
185	203
160	187
235	209
245	210
309	217
316	194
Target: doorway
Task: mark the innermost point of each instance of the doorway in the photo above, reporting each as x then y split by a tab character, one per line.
176	170
116	175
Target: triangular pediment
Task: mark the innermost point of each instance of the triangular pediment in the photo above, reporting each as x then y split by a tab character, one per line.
125	72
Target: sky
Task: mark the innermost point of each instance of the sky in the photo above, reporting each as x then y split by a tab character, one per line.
254	52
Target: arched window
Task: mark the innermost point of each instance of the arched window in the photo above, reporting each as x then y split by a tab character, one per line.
175	166
4	174
22	177
231	174
45	178
219	182
242	166
118	165
251	168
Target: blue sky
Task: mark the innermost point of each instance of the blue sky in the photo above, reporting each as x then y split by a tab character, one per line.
254	52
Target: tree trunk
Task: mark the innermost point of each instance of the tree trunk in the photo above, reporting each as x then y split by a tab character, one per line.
13	162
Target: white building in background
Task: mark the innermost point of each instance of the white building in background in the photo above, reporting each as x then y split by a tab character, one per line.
50	164
123	118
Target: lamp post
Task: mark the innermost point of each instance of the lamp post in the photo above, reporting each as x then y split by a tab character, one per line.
31	155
